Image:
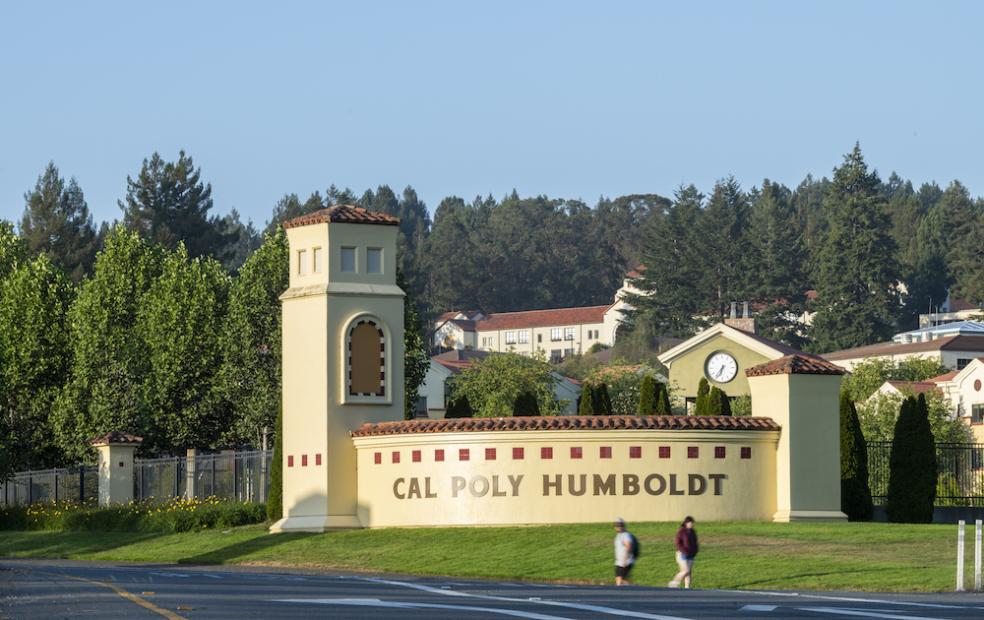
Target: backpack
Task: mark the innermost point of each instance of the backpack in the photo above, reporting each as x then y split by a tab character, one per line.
635	546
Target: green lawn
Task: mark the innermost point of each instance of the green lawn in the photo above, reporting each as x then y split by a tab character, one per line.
844	556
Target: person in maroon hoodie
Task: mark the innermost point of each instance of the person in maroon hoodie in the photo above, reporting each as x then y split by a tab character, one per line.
686	551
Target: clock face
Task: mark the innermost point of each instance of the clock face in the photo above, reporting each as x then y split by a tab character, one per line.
721	368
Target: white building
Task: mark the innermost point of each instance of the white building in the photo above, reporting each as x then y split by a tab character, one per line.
953	345
951	311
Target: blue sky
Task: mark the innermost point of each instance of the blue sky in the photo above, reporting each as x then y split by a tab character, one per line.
562	98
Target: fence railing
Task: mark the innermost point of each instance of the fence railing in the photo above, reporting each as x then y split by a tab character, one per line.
242	476
959	473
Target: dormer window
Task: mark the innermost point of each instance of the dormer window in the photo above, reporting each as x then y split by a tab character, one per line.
374	260
348	260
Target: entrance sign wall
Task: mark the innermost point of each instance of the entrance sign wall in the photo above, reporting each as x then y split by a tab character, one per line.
350	461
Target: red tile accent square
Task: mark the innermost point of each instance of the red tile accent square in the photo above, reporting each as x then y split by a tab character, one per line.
438	456
575	452
290	460
605	452
664	452
518	454
377	458
463	454
415	456
719	452
635	452
490	454
396	457
317	459
546	453
746	452
693	452
303	460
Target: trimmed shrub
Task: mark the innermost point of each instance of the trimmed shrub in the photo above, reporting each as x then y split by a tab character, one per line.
662	406
855	493
602	402
459	408
717	402
585	404
647	395
275	497
912	465
526	405
703	389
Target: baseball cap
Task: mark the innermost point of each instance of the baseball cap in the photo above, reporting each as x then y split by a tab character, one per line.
620	522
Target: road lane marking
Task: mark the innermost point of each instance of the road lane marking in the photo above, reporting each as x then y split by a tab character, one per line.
855	599
375	602
758	608
612	611
840	611
133	598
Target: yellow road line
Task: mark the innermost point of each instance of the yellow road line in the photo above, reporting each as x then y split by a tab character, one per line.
133	598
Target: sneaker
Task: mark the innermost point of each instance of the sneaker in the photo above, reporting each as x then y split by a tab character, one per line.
673	584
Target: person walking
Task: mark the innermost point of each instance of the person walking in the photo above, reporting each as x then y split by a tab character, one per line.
686	551
624	553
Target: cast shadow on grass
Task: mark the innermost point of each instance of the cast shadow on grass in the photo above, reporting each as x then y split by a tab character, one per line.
778	580
242	549
68	544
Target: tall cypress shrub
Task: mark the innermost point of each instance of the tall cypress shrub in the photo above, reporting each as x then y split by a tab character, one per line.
526	405
647	395
585	405
275	498
703	389
662	400
717	402
912	473
855	492
459	408
603	402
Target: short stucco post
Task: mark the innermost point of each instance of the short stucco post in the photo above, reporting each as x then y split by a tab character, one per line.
801	394
116	466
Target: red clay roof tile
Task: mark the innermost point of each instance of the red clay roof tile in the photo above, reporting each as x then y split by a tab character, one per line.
558	317
795	365
115	437
345	214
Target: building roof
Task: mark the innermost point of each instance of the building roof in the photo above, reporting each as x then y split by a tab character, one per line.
115	437
948	343
763	346
345	214
457	360
959	305
542	318
464	324
947	376
970	328
574	423
916	387
795	365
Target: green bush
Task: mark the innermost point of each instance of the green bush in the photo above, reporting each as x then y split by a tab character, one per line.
275	502
912	466
175	515
855	492
585	404
459	408
526	405
647	395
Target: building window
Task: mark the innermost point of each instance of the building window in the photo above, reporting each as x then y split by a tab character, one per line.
962	362
510	338
524	336
539	338
568	352
316	255
302	262
555	355
348	260
366	359
374	260
977	414
568	333
554	334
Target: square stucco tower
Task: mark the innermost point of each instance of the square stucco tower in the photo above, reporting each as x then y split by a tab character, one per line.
342	358
802	394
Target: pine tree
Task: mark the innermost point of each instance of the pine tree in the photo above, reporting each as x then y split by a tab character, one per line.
912	465
56	221
647	395
168	203
856	273
526	405
855	493
585	404
290	206
703	389
662	400
241	240
965	222
275	496
721	234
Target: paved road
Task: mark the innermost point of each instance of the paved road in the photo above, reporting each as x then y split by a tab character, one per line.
61	589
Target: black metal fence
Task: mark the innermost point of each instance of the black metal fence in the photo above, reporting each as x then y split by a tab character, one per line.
79	484
959	473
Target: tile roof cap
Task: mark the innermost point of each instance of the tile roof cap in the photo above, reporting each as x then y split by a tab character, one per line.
343	214
115	437
795	365
573	423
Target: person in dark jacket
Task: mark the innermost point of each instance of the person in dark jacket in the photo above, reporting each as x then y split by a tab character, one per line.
686	551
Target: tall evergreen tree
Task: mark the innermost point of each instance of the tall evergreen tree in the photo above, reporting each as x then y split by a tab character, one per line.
585	404
662	400
241	240
416	360
857	274
647	395
168	203
56	221
703	389
855	493
964	219
603	400
912	465
290	206
721	238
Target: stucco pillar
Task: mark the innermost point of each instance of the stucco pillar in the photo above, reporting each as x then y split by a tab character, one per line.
116	451
801	394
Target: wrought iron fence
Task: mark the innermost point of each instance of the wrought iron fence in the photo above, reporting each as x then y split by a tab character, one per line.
71	483
959	473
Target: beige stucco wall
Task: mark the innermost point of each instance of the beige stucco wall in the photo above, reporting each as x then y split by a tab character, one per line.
115	473
687	370
495	340
507	490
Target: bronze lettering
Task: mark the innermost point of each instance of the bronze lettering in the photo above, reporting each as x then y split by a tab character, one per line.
604	486
495	488
514	482
457	485
396	491
630	484
673	486
697	484
427	489
648	484
573	488
717	479
479	486
555	485
414	489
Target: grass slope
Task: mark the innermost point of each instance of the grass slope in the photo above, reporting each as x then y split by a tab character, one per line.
842	556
